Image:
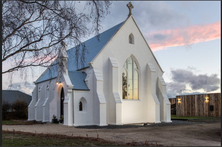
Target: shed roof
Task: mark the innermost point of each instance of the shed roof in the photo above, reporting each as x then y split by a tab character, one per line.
93	46
78	80
12	95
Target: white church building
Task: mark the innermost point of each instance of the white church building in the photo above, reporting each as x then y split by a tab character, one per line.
120	83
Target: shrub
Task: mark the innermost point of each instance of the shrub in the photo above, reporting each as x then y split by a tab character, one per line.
5	107
21	109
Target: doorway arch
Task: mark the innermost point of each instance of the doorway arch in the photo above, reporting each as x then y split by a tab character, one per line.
61	102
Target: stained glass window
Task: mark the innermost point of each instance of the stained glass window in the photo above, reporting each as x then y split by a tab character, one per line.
130	80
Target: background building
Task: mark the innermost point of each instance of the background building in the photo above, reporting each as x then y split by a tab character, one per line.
208	105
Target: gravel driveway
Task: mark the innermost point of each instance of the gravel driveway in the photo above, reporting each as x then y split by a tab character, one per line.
178	133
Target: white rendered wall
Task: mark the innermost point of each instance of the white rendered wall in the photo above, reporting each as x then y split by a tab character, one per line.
165	112
52	102
85	117
31	107
100	105
39	103
153	103
47	108
114	107
133	111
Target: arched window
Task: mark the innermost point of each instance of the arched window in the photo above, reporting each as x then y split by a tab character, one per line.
130	80
131	39
80	106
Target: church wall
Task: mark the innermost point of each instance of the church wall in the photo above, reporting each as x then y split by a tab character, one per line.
133	111
161	100
95	103
84	117
49	104
48	108
31	107
107	70
40	101
87	116
52	102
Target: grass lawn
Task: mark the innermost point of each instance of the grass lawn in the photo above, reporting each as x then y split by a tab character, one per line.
10	122
195	117
19	138
18	122
26	139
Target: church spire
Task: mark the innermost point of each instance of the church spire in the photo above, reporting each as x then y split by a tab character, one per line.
130	7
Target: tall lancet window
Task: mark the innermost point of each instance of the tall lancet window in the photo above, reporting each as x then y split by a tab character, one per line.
80	106
131	39
130	80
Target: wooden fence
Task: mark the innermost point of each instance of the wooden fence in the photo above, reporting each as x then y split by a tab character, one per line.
208	105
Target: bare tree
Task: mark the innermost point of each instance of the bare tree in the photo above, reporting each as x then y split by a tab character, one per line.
32	31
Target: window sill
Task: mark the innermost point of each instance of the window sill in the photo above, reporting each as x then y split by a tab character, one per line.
130	100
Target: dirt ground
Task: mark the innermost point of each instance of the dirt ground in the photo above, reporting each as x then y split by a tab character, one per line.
187	134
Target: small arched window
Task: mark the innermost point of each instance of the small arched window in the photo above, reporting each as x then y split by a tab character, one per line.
80	106
130	80
131	39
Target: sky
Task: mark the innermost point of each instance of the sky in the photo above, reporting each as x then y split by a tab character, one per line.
185	37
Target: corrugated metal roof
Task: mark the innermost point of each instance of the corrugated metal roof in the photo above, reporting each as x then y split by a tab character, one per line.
78	80
49	74
93	46
12	95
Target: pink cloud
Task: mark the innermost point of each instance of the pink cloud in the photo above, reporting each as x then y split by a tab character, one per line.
184	36
28	60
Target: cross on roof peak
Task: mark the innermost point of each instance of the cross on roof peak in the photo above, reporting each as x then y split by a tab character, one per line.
130	7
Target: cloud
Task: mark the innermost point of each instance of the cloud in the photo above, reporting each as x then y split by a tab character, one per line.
150	16
174	88
159	36
184	36
158	16
181	78
201	81
25	87
162	25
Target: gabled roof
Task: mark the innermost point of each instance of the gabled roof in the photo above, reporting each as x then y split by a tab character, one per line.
93	46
